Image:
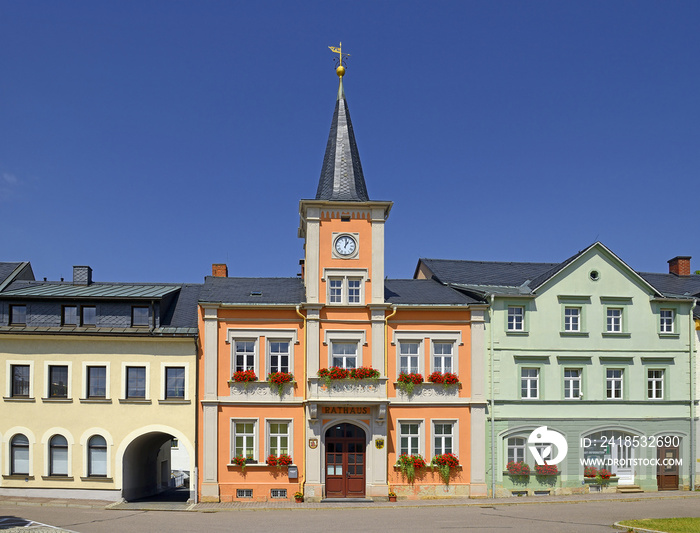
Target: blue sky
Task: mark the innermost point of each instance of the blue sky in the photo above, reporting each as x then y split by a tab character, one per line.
149	139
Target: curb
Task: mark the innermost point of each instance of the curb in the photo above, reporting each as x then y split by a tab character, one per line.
635	529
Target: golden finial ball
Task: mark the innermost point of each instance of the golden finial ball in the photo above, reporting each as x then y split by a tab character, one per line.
340	71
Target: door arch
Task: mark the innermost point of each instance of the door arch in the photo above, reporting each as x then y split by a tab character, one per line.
346	461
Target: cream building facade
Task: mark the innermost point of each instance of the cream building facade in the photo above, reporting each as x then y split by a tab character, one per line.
97	379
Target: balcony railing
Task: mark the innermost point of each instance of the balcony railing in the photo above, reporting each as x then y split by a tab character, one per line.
346	389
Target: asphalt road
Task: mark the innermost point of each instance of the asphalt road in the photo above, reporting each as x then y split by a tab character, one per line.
580	517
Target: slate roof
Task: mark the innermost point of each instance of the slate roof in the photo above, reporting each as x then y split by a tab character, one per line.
341	175
422	292
673	285
486	273
6	269
517	279
98	290
182	313
264	291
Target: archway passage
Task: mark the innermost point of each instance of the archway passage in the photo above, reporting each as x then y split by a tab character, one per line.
345	461
147	470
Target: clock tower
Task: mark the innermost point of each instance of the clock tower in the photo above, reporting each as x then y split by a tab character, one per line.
343	229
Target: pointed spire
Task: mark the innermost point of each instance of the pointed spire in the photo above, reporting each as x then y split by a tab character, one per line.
341	175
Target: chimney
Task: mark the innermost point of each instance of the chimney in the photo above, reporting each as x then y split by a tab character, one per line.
679	265
219	270
303	268
82	275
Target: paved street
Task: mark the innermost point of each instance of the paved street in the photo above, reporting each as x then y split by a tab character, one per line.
522	516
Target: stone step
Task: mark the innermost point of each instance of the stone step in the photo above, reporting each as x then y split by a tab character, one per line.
628	489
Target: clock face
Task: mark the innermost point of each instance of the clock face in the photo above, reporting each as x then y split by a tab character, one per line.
345	245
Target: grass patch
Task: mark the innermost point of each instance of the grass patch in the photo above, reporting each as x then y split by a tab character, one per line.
668	525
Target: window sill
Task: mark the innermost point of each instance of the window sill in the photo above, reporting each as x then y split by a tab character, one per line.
134	400
621	334
259	465
573	333
19	477
95	400
16	399
670	335
57	478
57	400
517	333
102	479
174	402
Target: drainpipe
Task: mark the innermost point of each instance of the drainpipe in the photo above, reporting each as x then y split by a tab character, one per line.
491	401
386	341
691	353
303	351
386	375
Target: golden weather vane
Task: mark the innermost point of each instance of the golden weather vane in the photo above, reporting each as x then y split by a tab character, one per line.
340	59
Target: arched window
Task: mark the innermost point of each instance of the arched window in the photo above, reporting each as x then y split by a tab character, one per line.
19	455
58	456
97	456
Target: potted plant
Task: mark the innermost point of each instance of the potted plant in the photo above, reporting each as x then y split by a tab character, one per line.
364	372
603	477
520	468
298	496
332	373
546	470
243	376
590	472
408	464
392	496
278	380
407	381
239	460
446	379
445	463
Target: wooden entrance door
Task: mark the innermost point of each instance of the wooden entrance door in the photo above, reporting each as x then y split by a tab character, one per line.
667	475
345	462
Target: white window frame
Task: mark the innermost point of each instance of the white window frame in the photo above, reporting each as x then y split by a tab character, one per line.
290	353
656	383
418	356
612	382
45	442
423	336
256	451
8	372
518	319
569	383
667	323
419	439
125	384
433	356
454	424
519	448
47	379
85	439
529	380
613	322
234	352
572	319
260	336
344	275
164	384
268	435
346	337
86	365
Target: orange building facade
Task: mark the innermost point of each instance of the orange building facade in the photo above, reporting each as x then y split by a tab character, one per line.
344	334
